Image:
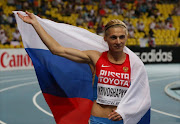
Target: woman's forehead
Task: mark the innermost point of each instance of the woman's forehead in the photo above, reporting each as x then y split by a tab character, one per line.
116	31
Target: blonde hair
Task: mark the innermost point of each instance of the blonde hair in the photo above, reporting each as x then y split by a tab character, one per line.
113	23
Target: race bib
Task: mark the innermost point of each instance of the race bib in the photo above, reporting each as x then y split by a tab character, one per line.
109	94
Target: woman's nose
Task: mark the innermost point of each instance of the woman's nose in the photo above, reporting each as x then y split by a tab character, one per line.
118	41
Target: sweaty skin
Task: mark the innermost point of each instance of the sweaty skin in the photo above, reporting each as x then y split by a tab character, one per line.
115	37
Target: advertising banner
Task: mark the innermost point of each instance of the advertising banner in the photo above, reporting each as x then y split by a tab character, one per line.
158	55
14	59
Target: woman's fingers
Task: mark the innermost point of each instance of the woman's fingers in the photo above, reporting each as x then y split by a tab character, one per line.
31	15
30	18
115	116
28	12
20	16
24	18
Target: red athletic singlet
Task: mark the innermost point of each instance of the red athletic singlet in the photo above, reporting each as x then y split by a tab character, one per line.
113	80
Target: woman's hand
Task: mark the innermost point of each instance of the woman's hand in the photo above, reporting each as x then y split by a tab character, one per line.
114	116
31	19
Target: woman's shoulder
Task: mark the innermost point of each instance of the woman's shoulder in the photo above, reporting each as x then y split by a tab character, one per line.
93	55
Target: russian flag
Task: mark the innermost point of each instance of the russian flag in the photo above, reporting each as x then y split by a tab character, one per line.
67	85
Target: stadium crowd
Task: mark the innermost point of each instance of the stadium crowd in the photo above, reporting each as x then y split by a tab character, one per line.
151	23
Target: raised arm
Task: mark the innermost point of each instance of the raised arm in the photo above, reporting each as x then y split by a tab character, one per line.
53	45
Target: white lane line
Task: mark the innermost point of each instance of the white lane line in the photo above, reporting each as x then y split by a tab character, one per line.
16	76
163	79
157	75
19	85
164	113
155	110
1	122
169	94
21	79
40	108
16	86
161	112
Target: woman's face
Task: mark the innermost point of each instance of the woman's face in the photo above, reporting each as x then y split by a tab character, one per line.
116	38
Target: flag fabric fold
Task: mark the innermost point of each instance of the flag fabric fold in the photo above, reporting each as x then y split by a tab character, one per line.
67	86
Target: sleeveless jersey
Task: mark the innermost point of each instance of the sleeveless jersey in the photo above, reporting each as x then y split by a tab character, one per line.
113	80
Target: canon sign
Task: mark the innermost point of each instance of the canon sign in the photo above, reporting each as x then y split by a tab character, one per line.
155	56
14	59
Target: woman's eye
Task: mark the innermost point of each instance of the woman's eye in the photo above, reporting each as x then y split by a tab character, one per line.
122	37
113	37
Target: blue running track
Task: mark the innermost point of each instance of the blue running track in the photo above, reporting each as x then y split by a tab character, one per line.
21	101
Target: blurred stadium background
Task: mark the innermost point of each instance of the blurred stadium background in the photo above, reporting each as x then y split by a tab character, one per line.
151	23
154	35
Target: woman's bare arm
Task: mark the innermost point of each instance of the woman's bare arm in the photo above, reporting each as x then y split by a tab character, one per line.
53	45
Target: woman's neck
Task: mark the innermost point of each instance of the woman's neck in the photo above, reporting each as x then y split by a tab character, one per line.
116	57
